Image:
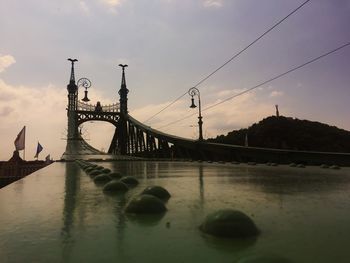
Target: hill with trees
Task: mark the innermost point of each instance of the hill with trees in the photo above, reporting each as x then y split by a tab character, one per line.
288	133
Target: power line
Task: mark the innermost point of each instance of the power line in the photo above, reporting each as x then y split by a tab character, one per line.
165	107
232	58
262	83
252	43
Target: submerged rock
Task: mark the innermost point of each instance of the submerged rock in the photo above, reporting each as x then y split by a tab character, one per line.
157	191
300	165
115	186
83	166
324	166
129	180
115	175
145	204
292	164
229	223
89	169
106	171
102	178
335	167
94	173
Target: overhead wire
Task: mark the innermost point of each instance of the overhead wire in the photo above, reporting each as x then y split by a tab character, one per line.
262	83
232	58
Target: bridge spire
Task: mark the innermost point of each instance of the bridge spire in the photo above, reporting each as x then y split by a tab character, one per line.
123	92
72	104
72	76
72	87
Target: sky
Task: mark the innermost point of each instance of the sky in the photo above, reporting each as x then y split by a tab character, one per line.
169	46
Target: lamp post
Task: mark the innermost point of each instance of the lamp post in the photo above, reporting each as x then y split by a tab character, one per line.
85	83
193	92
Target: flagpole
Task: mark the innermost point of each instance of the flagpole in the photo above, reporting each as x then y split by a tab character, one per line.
24	149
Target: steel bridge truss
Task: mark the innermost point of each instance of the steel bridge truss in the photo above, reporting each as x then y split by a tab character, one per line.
88	112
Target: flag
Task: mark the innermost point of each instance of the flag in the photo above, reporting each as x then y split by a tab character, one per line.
39	148
20	140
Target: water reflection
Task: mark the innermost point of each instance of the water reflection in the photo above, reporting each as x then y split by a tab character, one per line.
119	201
72	181
144	219
59	215
292	181
201	186
228	245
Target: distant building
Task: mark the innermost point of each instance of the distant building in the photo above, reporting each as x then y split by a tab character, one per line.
17	168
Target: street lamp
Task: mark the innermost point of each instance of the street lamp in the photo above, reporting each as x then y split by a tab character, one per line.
193	92
85	83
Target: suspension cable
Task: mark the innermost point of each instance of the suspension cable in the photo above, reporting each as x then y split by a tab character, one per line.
262	83
232	58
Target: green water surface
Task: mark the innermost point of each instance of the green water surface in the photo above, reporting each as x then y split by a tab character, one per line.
58	214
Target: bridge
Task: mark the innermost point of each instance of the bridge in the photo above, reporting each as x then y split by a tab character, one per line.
133	139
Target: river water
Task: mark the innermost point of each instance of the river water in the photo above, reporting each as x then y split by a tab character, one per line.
58	214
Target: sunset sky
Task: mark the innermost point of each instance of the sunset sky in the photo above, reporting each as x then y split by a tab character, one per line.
169	45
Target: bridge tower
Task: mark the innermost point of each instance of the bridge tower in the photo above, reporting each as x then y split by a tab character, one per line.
72	105
121	134
123	92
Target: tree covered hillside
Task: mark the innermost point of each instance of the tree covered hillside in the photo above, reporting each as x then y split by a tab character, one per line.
288	133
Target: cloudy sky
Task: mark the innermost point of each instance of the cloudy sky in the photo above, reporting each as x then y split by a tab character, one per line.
170	45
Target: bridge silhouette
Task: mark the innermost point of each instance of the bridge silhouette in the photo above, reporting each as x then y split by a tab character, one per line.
134	139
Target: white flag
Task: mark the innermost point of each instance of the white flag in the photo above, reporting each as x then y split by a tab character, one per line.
20	140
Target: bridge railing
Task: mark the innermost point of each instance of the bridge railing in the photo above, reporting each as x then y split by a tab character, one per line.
105	108
111	107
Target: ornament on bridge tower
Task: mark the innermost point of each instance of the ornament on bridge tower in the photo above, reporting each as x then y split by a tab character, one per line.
277	112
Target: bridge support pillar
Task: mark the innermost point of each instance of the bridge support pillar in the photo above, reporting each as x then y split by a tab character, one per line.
122	136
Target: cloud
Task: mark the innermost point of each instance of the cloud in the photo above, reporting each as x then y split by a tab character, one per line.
276	93
112	4
237	113
213	3
5	111
84	7
42	110
6	61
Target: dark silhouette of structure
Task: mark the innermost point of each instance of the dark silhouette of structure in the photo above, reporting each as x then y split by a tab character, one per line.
195	92
133	138
17	168
277	112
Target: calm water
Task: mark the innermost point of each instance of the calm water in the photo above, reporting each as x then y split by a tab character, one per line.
58	214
